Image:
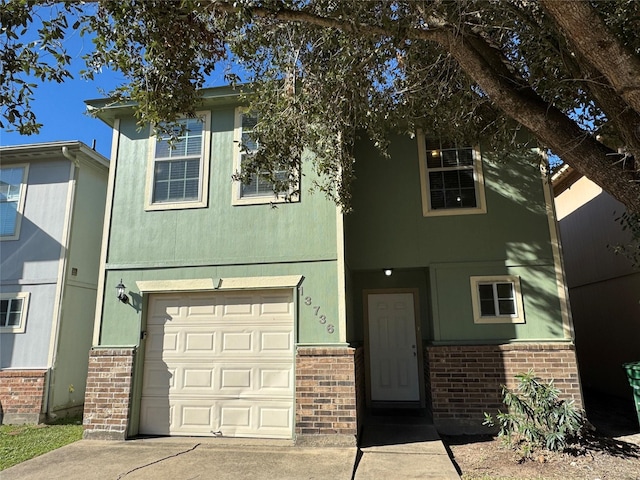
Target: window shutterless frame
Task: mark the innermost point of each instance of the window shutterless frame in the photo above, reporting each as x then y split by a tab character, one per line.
13	190
178	178
452	181
497	299
13	312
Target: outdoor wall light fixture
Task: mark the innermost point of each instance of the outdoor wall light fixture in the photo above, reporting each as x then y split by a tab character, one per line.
120	288
388	272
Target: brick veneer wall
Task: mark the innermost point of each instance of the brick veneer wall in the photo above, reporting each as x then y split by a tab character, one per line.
466	380
361	389
22	396
107	404
326	403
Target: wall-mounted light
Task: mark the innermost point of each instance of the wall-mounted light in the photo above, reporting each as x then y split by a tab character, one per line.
388	272
120	288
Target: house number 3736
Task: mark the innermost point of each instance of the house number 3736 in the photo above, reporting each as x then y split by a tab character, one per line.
322	319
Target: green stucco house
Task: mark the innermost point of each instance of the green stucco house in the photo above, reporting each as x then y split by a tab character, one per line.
238	319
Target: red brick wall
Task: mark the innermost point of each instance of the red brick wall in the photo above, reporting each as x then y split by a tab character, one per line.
22	395
466	380
107	404
326	403
361	389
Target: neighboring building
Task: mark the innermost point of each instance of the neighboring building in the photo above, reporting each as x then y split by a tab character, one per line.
52	199
604	287
241	319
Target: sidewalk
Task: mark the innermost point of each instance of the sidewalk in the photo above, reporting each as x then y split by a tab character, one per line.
387	452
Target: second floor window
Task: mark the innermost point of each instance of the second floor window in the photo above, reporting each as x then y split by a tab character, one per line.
452	180
12	192
259	189
180	168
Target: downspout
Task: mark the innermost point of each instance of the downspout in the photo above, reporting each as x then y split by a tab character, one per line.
66	233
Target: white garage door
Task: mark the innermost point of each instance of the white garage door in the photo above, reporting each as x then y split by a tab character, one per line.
219	364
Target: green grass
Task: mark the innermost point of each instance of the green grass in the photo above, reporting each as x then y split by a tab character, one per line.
22	442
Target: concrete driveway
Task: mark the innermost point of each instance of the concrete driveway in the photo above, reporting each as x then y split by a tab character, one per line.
388	452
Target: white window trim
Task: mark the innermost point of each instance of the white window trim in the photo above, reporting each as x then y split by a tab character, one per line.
475	299
20	328
205	161
237	198
21	200
425	187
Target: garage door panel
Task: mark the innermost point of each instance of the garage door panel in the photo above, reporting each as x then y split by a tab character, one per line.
274	305
261	380
248	419
197	379
219	362
156	415
198	342
158	379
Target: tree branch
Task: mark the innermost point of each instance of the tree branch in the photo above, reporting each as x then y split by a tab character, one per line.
586	31
486	66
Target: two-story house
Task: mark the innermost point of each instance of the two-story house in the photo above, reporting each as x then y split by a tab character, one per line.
52	198
220	315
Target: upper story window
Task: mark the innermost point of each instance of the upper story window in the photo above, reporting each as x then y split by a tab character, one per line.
13	185
497	299
451	177
259	189
13	312
178	173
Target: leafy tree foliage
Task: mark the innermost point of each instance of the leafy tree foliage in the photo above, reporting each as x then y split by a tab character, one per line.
324	72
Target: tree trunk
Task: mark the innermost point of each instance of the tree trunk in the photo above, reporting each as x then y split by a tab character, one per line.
586	31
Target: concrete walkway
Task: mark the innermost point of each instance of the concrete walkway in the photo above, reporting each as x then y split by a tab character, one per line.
387	452
403	451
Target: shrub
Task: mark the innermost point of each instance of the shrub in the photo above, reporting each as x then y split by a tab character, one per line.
537	418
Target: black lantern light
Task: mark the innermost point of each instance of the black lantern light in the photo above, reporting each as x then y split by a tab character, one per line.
120	288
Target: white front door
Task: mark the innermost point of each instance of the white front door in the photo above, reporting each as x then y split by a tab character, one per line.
393	349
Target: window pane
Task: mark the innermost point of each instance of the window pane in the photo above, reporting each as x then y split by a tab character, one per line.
4	307
485	292
249	121
437	199
191	189
468	198
436	180
465	156
8	217
451	179
176	170
177	180
162	171
162	149
161	192
487	308
466	179
433	159
452	199
10	185
449	158
507	307
505	290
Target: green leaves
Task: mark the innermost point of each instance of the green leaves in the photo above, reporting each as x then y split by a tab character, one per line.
24	57
537	417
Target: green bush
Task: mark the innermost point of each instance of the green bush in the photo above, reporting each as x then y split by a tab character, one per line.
537	418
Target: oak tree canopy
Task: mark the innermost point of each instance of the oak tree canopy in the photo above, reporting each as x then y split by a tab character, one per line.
325	71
